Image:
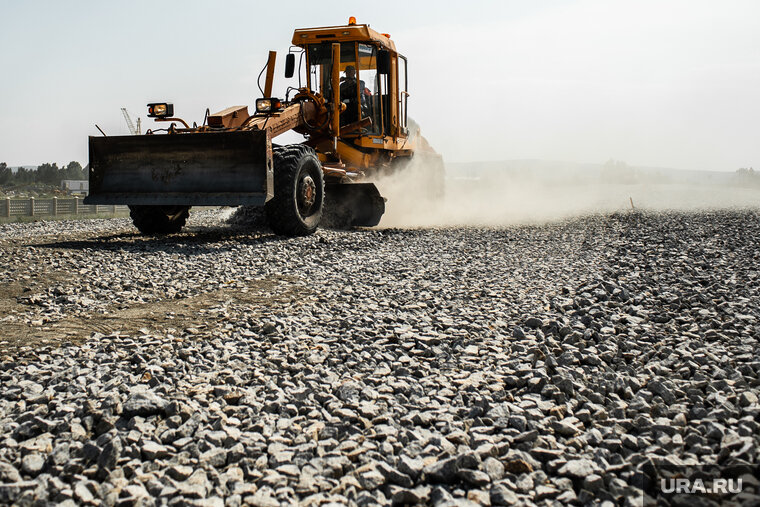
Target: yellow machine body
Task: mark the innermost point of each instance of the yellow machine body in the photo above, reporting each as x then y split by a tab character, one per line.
351	109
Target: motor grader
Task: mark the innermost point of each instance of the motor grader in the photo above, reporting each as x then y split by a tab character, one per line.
350	105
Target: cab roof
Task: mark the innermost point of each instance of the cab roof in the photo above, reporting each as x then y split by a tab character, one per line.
342	33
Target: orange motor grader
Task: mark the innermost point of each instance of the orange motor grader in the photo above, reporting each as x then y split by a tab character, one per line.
351	107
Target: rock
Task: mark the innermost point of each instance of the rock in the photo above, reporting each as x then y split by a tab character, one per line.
188	490
518	422
404	496
410	466
747	398
393	476
533	323
659	387
501	495
629	441
90	451
443	471
78	432
479	497
60	455
196	486
525	483
83	492
371	479
110	454
543	492
440	497
32	464
494	468
236	453
565	428
526	436
593	483
10	492
216	458
545	455
179	472
144	404
474	477
578	468
349	391
468	460
263	498
363	499
152	451
518	466
8	473
134	492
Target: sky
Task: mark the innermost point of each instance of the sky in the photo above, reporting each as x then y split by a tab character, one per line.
661	83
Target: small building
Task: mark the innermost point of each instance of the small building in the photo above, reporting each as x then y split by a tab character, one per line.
76	187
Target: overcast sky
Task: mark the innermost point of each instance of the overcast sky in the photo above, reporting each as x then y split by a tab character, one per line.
656	83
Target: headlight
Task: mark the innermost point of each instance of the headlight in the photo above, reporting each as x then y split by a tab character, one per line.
268	105
263	105
160	110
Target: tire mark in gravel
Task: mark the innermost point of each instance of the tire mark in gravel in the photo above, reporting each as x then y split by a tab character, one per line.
15	332
183	316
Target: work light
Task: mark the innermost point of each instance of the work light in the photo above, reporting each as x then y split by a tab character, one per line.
160	110
268	105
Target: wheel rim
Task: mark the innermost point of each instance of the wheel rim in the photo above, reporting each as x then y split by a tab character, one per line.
306	195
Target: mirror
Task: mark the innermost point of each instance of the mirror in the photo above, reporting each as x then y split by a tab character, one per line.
290	65
384	61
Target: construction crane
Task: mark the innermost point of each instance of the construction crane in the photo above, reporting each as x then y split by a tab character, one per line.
132	130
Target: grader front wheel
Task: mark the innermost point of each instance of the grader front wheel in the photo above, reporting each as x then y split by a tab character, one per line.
151	220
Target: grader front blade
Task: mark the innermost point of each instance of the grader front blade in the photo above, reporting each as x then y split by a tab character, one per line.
199	169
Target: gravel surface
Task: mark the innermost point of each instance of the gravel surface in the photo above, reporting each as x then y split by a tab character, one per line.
540	364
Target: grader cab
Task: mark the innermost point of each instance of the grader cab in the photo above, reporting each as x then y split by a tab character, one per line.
351	107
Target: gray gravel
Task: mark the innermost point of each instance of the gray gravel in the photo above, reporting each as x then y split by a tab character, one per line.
540	364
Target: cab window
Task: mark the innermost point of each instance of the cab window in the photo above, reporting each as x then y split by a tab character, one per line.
370	85
320	74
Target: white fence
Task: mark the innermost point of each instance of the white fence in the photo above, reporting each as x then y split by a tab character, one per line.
51	207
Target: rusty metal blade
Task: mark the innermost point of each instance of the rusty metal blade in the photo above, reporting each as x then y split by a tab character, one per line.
225	168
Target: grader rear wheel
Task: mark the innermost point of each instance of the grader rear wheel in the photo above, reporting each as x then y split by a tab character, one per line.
152	220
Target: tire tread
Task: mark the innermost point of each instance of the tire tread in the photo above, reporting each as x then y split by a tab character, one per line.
282	216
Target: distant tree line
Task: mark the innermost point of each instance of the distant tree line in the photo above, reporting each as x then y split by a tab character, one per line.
46	174
748	177
617	171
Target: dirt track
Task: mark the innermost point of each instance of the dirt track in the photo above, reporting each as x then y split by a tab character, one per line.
27	324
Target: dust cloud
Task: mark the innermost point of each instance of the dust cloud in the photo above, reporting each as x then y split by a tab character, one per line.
515	192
